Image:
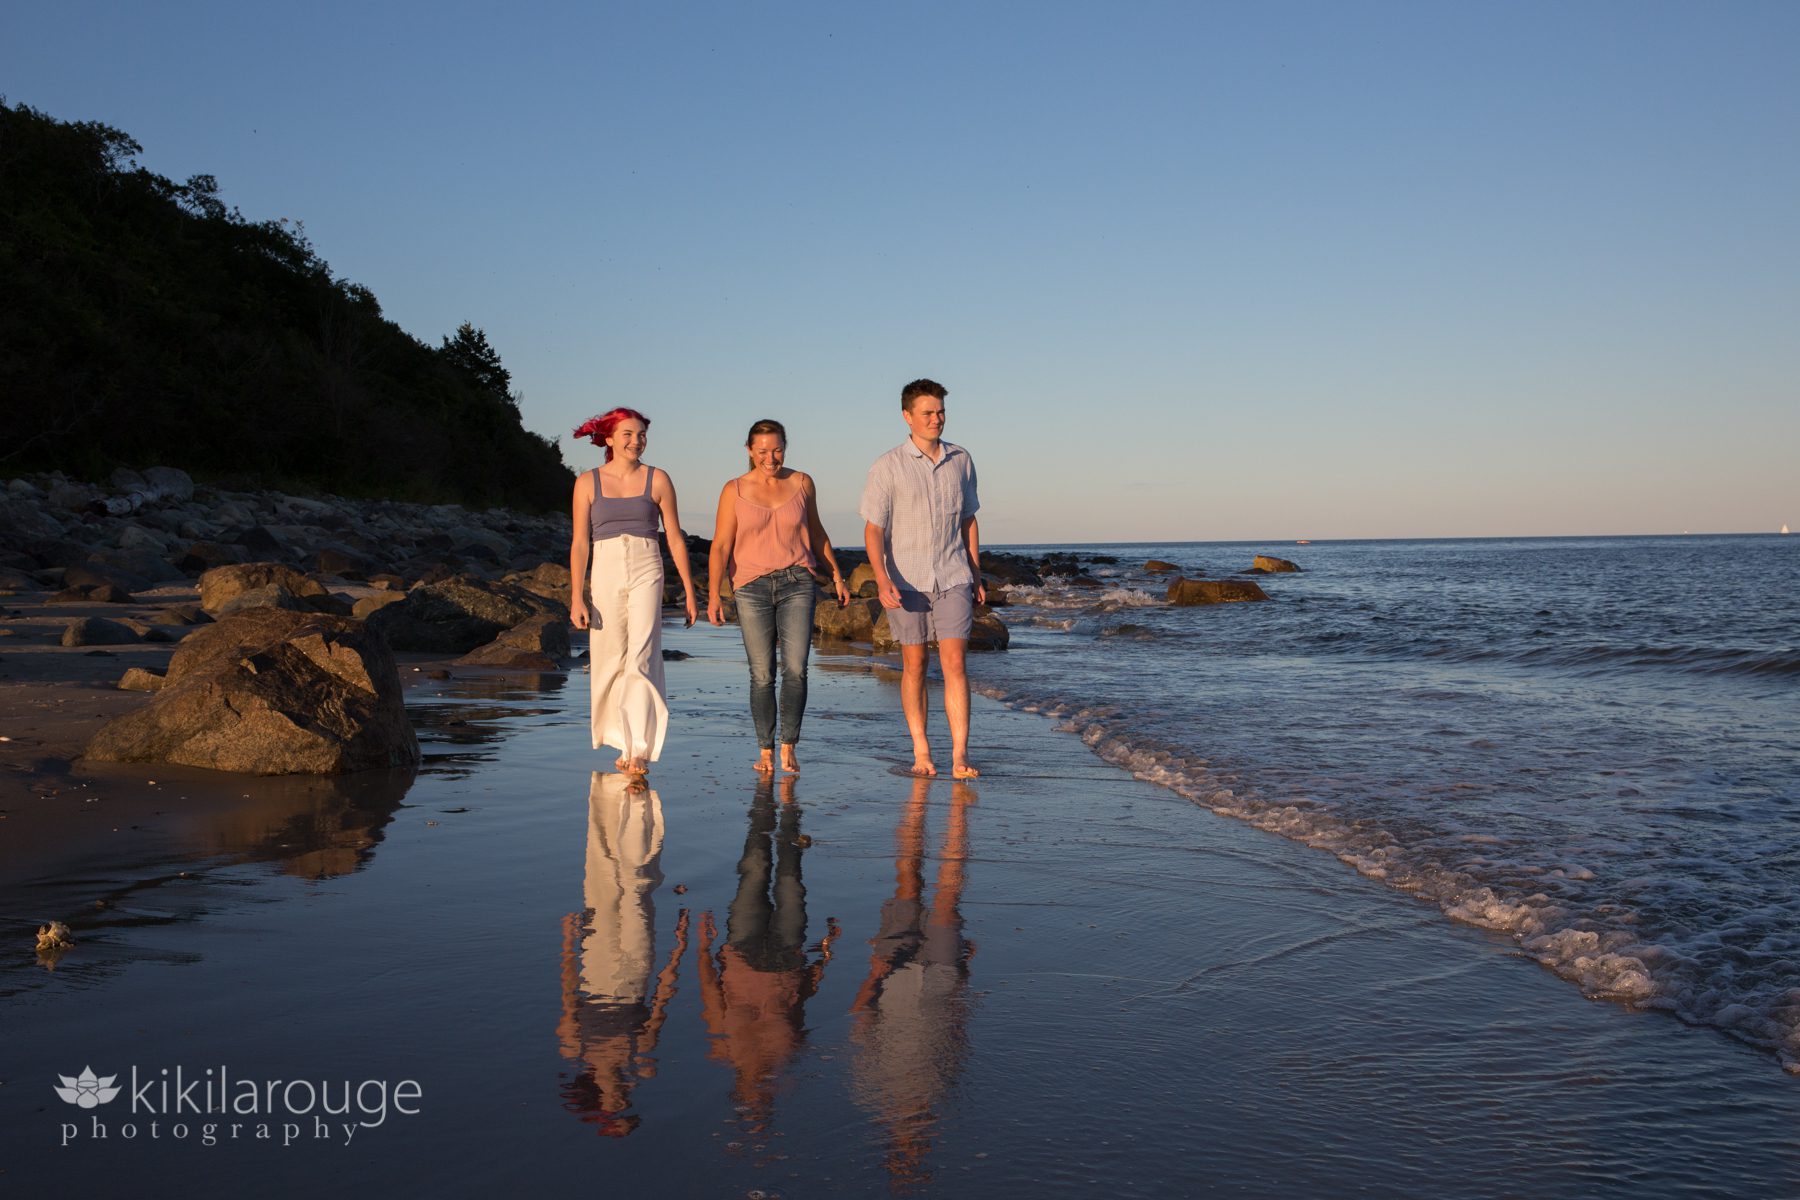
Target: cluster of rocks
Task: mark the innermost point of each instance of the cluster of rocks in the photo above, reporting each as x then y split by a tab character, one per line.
1186	592
157	526
865	620
449	571
286	664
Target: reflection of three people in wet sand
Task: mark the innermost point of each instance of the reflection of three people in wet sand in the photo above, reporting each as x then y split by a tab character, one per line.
911	1011
924	547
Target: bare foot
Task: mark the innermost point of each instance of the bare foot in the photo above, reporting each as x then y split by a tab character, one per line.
923	767
765	764
790	762
963	771
622	764
638	766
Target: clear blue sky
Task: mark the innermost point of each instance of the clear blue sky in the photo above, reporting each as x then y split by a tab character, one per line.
1189	270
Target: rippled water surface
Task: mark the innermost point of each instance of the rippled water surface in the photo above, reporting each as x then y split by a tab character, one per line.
1592	745
1059	981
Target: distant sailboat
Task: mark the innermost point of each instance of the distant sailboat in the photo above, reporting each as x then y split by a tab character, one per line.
1784	529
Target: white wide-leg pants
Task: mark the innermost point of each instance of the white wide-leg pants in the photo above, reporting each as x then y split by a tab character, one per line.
625	666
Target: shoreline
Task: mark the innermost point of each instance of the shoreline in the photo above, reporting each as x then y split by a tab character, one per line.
1060	946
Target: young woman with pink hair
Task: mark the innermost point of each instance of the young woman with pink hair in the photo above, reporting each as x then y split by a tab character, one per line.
616	509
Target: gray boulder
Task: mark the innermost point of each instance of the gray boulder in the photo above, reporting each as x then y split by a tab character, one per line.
105	593
342	562
171	483
1189	592
148	632
90	575
142	679
862	581
180	614
853	622
98	631
70	496
988	632
22	519
455	615
150	566
379	600
269	692
221	584
549	580
262	542
536	644
271	595
141	537
13	582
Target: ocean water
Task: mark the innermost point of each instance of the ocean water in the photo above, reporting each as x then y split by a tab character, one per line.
1590	745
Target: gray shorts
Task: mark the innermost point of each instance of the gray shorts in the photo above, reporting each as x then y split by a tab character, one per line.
935	616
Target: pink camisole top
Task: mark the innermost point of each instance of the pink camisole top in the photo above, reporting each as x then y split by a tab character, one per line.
770	539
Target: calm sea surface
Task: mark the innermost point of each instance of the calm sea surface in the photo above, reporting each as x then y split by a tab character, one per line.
1592	745
1061	981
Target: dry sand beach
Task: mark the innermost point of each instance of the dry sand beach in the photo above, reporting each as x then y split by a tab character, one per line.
1059	981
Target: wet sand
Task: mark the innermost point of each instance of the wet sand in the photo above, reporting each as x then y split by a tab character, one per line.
1059	980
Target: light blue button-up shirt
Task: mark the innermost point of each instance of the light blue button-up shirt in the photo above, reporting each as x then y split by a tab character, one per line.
921	505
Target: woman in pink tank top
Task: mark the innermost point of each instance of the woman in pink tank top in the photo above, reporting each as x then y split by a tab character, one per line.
768	541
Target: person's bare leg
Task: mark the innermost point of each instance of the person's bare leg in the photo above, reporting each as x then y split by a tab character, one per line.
912	701
956	704
790	761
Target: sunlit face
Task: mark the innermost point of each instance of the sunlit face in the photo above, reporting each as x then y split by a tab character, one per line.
628	439
767	452
925	418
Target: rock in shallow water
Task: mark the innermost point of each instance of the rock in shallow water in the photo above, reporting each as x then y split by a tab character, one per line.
270	692
1189	592
536	644
854	622
986	632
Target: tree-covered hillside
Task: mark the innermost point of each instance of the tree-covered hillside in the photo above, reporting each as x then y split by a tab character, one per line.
146	323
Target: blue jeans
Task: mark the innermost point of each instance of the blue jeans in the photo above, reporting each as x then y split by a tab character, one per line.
776	611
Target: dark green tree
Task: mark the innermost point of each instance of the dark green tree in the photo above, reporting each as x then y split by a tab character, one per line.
471	353
146	322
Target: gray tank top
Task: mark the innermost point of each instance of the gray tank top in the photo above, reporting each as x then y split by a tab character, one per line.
636	515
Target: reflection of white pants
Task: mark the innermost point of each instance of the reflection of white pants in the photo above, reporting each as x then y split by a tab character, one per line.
624	846
625	667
